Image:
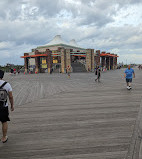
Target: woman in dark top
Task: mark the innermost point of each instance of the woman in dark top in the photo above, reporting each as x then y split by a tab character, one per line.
98	73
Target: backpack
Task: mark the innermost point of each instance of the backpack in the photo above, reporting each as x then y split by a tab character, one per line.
3	95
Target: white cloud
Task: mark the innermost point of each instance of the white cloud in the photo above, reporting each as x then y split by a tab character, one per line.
13	54
131	15
99	24
130	58
6	44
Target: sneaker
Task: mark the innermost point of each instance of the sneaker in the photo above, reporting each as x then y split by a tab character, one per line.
130	87
127	87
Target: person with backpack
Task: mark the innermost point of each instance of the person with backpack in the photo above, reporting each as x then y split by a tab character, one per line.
5	92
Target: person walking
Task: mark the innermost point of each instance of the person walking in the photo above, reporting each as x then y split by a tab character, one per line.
98	73
129	74
18	71
11	71
5	92
68	71
14	71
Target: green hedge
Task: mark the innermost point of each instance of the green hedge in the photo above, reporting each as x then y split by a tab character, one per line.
8	68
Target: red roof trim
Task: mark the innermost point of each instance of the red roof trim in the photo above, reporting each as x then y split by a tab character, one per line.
107	54
38	55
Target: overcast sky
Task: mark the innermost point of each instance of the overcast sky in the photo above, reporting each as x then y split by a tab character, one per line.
109	25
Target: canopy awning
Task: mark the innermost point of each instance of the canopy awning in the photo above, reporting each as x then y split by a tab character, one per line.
108	55
38	55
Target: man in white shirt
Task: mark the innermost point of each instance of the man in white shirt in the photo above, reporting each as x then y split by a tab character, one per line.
4	113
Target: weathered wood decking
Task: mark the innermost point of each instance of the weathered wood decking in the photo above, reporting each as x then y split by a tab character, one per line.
77	118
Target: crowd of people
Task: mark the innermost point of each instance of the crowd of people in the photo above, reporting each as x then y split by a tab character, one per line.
13	71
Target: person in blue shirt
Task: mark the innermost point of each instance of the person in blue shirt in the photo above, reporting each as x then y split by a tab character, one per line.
129	74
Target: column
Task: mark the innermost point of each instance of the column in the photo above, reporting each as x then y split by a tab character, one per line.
103	62
113	61
93	60
26	64
36	65
49	60
108	63
36	62
68	58
63	60
98	57
88	59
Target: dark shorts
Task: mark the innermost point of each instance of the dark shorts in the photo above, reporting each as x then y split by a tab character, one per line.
4	114
128	80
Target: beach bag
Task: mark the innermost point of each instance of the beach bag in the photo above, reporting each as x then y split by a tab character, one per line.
3	95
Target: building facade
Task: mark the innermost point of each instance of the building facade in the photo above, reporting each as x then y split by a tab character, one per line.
58	56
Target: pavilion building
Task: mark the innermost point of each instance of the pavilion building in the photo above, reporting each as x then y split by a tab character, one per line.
57	55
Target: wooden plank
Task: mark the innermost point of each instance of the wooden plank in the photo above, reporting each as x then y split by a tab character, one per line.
135	149
76	118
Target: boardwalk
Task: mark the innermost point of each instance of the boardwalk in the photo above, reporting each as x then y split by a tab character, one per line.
60	118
